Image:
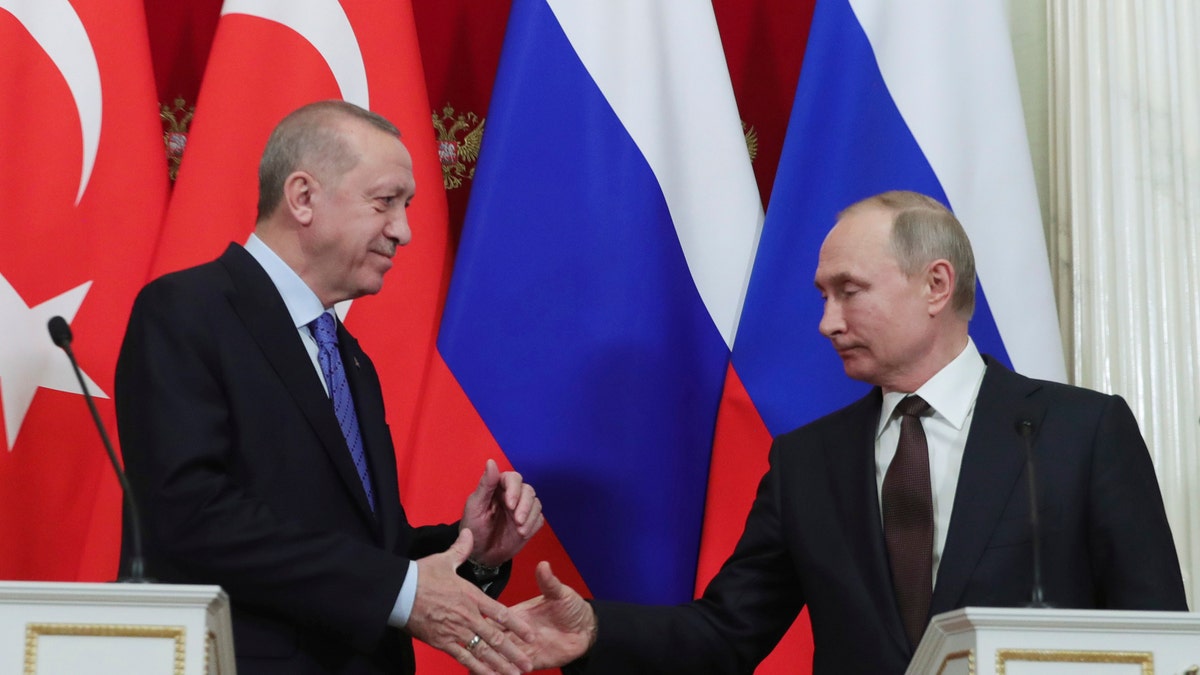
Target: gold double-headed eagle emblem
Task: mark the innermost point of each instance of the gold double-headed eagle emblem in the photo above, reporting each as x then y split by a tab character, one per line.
458	139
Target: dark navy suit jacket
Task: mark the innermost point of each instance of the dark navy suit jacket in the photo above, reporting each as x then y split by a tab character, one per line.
814	537
244	478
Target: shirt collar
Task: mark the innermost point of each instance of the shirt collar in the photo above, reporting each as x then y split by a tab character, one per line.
302	304
950	392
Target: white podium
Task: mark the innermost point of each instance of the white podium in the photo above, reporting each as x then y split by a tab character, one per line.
1004	641
102	629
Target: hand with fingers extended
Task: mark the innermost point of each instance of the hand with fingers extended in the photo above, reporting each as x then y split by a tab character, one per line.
456	617
562	622
502	513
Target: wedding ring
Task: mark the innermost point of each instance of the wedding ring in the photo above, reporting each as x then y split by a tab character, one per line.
474	642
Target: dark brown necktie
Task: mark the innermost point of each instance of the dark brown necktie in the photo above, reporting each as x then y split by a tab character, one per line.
908	519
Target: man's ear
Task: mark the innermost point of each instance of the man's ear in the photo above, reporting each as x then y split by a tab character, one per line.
939	283
298	190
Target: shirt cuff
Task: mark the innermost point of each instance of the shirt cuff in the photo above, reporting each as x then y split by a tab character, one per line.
404	602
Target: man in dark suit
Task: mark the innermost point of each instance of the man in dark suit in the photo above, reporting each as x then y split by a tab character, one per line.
909	502
254	434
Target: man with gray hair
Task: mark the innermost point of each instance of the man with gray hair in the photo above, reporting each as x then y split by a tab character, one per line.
911	501
254	434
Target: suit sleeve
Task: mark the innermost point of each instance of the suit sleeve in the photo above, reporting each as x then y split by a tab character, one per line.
179	436
1133	551
743	613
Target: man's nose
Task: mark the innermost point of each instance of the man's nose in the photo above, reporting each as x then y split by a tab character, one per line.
831	319
398	229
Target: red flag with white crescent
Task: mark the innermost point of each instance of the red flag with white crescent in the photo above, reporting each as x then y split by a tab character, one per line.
267	59
83	182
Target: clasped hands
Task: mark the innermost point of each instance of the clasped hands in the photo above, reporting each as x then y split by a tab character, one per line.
455	616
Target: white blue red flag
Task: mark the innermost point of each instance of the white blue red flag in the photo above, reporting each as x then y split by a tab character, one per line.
918	95
602	268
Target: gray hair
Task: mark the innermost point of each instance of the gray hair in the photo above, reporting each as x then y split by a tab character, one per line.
310	137
924	230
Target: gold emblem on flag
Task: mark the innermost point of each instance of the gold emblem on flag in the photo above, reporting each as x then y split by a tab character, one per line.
751	139
457	154
176	119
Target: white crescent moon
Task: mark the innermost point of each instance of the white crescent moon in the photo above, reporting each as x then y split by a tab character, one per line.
327	28
56	26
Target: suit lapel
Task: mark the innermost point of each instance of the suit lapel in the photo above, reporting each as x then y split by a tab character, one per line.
859	509
992	462
261	309
377	441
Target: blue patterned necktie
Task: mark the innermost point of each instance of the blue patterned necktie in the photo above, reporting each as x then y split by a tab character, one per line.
325	331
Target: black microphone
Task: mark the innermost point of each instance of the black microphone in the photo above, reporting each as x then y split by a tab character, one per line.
60	333
1024	427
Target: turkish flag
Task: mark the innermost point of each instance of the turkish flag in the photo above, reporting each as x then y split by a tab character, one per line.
269	59
83	181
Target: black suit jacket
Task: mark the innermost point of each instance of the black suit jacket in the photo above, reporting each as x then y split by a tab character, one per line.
814	537
244	479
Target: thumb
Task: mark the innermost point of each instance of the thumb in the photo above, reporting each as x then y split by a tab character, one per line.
460	550
549	584
489	480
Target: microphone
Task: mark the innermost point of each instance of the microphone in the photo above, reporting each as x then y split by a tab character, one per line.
1024	427
60	333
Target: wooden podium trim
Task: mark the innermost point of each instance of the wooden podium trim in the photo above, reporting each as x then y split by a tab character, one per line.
1144	659
35	630
969	654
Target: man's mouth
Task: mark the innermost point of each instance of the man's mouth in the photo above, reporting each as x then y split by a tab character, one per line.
846	350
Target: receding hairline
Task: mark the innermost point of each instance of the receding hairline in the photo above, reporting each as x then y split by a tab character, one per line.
335	111
894	202
337	119
314	138
921	230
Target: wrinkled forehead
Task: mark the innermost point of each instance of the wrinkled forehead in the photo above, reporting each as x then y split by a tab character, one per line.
864	231
857	244
863	222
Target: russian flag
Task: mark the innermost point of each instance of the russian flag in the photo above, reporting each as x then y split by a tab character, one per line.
602	268
920	95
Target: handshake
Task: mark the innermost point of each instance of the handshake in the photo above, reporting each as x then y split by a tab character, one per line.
548	631
455	616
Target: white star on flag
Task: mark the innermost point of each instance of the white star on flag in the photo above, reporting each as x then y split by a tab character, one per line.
28	358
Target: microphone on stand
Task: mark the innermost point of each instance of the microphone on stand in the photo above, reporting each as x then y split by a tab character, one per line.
60	333
1024	427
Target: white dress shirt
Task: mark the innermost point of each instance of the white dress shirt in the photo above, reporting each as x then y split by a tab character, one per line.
951	393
